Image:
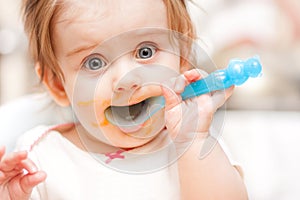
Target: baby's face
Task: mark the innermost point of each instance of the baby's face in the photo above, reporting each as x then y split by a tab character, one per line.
115	53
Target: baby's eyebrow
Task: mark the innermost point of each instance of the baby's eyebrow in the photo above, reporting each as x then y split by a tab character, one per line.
81	49
137	34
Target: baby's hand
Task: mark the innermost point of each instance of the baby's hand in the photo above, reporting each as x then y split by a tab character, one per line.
15	184
185	118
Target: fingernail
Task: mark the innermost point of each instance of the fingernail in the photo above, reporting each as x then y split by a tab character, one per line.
33	169
178	88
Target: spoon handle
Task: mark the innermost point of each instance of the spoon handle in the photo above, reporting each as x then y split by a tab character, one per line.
236	73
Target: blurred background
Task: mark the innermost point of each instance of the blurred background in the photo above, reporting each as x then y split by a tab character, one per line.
16	71
262	123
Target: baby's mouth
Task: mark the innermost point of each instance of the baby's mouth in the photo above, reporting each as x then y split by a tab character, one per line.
131	118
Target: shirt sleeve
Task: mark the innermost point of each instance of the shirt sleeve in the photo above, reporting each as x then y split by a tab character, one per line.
230	157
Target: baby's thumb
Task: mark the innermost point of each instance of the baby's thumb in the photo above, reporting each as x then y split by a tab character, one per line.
29	181
171	98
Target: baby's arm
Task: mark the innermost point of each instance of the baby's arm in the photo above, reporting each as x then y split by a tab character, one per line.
14	183
212	177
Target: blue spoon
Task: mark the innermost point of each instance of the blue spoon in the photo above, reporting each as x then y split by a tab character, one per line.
236	73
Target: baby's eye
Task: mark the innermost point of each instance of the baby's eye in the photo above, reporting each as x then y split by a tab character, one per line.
94	62
146	51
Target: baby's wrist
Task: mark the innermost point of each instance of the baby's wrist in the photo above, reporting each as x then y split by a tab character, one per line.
193	139
201	135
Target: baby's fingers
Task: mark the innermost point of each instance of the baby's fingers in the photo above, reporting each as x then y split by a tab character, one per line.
2	152
171	90
14	164
20	187
192	75
220	97
29	181
10	161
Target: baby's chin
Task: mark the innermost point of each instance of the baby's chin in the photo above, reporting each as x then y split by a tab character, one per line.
121	138
132	141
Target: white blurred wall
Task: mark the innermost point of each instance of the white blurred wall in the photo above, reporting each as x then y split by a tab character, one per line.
16	72
268	28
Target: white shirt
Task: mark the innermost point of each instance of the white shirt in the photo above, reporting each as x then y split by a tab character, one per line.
75	174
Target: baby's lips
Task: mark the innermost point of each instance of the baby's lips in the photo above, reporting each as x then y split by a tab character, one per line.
130	129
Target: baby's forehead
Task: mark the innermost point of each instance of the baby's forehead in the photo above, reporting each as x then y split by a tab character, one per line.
100	17
79	11
79	23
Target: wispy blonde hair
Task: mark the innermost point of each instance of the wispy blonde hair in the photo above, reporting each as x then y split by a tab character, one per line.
39	18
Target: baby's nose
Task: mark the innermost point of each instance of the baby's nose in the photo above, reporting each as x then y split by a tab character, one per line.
128	83
126	86
126	76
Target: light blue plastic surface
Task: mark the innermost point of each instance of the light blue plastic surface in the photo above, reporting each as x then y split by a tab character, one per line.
236	73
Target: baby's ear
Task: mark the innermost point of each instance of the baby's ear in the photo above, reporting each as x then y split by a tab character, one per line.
54	86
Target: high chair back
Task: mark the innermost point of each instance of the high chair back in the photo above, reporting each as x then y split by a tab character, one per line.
25	113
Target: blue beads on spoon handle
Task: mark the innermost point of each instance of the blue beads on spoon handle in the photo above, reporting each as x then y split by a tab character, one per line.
236	73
